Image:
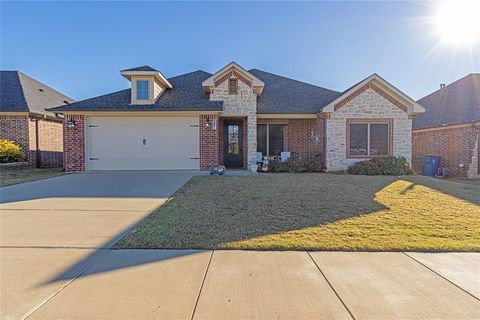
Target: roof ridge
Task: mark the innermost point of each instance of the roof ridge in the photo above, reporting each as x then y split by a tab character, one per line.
449	85
17	74
187	73
291	79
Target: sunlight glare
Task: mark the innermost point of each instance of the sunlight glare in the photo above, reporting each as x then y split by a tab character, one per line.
458	21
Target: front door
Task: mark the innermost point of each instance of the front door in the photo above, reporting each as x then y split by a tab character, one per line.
233	144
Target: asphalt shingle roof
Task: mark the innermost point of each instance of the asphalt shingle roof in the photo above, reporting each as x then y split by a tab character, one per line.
20	93
284	95
187	95
457	103
142	68
280	95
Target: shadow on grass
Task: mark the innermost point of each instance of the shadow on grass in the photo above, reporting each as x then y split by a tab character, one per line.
209	212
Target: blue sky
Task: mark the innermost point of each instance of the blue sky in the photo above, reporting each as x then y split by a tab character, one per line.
79	47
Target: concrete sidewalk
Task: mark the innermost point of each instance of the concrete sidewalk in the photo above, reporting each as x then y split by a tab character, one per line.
191	284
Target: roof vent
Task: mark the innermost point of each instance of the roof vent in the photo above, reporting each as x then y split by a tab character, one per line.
442	85
66	102
41	90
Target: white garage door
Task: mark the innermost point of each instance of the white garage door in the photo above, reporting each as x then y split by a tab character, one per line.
142	143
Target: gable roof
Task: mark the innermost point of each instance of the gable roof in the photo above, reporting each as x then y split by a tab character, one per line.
142	68
457	103
256	83
20	93
186	95
409	105
285	95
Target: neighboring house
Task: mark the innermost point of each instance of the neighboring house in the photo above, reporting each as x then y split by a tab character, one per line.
198	120
450	128
24	120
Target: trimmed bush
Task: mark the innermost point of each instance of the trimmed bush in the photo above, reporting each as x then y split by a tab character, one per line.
388	166
10	151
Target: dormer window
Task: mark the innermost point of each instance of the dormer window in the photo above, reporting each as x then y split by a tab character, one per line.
232	86
143	90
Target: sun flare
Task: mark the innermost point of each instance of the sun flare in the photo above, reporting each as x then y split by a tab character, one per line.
458	21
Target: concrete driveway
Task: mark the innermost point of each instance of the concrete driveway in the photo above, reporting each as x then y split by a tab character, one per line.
53	229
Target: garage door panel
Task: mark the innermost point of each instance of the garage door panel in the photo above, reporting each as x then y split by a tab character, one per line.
154	143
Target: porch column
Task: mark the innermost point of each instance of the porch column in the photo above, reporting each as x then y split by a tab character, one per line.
251	139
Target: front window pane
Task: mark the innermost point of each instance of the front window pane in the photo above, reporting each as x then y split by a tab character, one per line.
142	89
358	139
233	139
262	139
275	139
378	139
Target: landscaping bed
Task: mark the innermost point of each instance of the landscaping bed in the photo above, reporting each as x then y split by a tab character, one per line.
315	212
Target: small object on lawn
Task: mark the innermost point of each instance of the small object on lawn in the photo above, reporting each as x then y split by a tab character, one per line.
220	170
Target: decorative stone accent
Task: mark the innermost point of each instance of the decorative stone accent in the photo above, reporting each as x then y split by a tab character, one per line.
209	142
456	147
368	104
243	104
74	143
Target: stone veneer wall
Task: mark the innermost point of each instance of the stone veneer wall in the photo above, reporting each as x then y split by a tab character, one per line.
15	128
368	104
243	104
456	147
74	144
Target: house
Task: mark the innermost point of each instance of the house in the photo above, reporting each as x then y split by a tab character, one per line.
450	128
25	120
198	120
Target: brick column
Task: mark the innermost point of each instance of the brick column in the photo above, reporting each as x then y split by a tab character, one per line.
74	143
209	142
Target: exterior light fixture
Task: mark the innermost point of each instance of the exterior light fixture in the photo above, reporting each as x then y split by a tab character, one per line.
208	124
71	124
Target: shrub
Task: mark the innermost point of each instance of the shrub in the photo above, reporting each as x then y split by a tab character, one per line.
389	166
10	151
297	164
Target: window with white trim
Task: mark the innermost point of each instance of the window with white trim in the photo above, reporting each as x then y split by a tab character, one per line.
143	88
368	139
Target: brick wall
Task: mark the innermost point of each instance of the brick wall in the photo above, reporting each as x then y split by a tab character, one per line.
15	128
456	147
50	143
209	142
74	143
306	137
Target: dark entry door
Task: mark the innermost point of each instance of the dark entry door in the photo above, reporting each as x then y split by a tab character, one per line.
233	144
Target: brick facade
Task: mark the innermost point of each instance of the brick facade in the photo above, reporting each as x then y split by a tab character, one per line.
367	104
15	128
74	143
209	142
22	130
456	147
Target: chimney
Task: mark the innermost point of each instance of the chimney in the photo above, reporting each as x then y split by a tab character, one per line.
442	85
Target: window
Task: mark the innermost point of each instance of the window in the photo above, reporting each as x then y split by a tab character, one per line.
270	139
233	139
232	86
143	89
368	139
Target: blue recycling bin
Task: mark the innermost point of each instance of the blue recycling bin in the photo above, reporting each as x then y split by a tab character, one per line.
430	165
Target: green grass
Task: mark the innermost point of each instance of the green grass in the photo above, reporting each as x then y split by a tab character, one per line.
315	212
27	175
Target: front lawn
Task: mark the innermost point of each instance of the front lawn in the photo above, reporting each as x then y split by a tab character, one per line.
27	175
315	212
